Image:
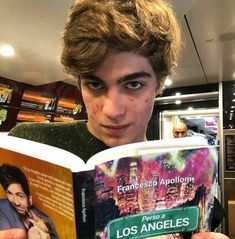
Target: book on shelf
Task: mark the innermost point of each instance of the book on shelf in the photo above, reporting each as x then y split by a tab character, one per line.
139	190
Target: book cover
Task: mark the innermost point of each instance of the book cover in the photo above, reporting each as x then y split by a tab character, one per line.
156	194
50	191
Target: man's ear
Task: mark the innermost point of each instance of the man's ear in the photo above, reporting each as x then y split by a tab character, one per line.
160	89
30	200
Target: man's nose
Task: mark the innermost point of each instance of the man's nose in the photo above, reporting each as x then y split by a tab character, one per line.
15	201
114	105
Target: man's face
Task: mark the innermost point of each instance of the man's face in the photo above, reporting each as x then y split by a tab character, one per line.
18	198
119	98
180	131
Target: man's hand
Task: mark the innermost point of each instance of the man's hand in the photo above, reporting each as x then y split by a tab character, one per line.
209	235
36	233
13	234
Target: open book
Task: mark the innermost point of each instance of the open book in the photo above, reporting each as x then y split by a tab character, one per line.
140	190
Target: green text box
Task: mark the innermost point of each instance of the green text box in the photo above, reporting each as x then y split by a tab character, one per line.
177	220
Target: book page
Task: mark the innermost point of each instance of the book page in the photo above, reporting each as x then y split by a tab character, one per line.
50	195
145	147
43	152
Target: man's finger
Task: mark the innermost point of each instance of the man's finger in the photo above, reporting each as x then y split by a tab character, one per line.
209	235
13	234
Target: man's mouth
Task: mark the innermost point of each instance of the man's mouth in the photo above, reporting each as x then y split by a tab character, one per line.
20	210
116	129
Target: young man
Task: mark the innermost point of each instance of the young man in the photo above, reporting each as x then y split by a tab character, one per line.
120	51
17	211
180	130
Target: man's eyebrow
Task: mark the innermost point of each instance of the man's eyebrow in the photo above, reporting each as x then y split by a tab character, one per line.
136	75
124	78
8	191
91	77
20	194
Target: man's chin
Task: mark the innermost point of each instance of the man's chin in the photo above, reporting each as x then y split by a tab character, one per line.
113	142
21	212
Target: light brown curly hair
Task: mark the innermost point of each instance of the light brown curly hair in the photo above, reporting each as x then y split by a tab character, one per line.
145	27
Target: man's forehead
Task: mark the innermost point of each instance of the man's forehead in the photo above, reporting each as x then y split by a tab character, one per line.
14	186
180	130
123	63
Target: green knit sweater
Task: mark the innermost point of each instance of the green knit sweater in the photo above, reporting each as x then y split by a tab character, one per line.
73	137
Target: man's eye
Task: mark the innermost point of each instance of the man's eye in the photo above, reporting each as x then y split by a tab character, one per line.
93	85
21	195
134	85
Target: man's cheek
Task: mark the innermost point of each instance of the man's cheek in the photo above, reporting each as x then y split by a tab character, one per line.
93	110
148	104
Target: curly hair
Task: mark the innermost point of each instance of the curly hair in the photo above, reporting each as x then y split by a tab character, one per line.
145	27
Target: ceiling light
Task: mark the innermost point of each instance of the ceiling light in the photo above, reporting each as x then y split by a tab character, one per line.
234	74
177	94
190	108
178	102
7	50
232	107
167	82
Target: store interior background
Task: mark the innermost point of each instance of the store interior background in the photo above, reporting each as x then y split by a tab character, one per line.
202	93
